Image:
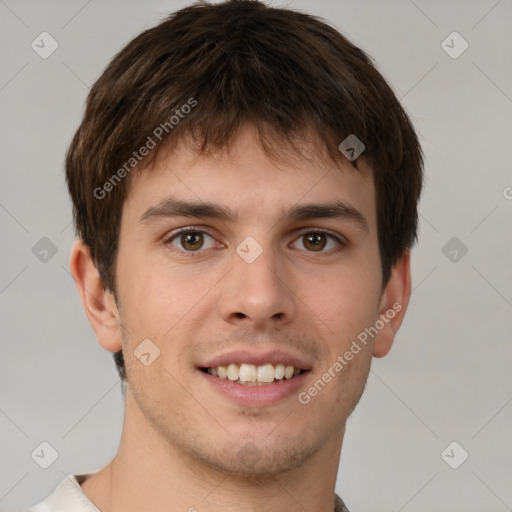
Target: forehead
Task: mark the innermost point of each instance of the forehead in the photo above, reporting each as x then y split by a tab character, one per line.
247	180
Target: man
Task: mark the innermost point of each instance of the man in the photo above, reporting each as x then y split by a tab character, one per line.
245	189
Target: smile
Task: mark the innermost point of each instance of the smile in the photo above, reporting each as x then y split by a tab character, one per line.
252	375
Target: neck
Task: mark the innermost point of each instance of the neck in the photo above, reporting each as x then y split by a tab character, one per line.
149	473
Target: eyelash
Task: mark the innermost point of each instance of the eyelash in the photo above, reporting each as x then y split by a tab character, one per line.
342	242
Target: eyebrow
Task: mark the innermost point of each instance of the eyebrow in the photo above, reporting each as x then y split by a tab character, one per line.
171	207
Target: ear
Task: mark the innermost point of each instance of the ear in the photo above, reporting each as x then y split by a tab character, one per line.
393	305
99	303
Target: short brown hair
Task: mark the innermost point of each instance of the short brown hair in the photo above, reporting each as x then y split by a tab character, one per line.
286	73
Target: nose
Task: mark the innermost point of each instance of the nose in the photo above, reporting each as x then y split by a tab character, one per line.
259	293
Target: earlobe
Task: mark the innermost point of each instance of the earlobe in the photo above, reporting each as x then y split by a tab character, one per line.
98	302
393	305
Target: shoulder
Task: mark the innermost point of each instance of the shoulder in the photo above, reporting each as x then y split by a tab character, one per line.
67	497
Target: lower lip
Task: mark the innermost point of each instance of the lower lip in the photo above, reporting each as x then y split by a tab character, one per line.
257	395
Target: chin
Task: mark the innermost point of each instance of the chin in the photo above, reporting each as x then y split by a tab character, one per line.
256	458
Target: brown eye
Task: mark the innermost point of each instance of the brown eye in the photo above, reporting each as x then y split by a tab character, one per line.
315	241
319	241
191	240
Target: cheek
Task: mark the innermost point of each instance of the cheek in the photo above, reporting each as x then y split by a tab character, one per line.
155	296
347	300
165	305
353	380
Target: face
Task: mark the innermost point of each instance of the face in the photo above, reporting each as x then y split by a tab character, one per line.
262	278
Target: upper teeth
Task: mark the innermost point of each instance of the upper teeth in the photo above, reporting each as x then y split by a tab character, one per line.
251	373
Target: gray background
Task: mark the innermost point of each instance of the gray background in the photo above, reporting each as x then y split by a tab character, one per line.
446	378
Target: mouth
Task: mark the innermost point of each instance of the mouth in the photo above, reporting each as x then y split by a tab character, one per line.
250	378
247	374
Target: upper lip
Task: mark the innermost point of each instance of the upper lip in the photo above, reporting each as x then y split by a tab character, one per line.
257	358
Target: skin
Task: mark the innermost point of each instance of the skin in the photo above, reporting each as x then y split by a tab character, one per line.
181	441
